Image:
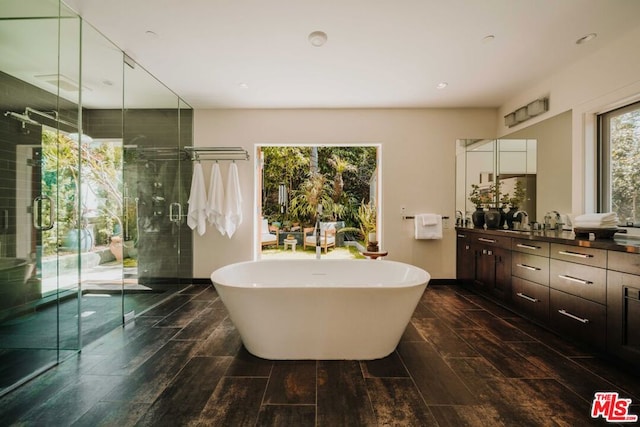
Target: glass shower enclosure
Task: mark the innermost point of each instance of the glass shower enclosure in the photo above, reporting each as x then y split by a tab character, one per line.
93	181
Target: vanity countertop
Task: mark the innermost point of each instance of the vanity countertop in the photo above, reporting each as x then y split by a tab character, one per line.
620	242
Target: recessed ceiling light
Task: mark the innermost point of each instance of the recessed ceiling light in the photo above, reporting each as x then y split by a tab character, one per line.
442	85
587	38
317	38
488	39
243	85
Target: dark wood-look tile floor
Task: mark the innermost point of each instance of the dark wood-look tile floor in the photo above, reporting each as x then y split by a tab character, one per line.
462	361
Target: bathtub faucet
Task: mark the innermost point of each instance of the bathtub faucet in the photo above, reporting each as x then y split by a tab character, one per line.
318	239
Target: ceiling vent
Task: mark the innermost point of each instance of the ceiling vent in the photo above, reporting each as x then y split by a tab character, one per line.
59	80
530	110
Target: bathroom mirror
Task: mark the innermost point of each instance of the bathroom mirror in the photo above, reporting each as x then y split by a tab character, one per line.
554	159
549	160
509	162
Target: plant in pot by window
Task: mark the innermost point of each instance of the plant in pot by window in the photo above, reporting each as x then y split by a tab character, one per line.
366	224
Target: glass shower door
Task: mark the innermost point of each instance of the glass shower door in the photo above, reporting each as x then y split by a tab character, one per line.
155	205
35	312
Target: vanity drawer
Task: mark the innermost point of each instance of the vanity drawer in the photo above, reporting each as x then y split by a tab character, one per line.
578	318
579	255
624	262
530	298
530	247
530	267
584	281
492	240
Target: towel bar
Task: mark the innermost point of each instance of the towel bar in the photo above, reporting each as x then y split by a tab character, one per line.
413	216
217	153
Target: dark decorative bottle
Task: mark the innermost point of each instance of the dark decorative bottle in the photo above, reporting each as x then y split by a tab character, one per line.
492	218
478	217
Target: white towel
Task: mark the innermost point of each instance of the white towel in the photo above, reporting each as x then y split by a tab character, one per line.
428	226
232	201
429	219
596	220
215	201
197	215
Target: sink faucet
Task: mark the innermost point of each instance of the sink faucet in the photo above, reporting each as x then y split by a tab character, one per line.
459	218
552	216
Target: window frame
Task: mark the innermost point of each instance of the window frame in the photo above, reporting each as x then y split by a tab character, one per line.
604	180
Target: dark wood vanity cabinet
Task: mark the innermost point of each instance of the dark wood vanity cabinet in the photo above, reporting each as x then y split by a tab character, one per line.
485	263
530	278
577	301
623	306
585	293
465	259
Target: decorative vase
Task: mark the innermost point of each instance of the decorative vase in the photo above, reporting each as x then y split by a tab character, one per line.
372	237
116	248
492	218
78	239
478	217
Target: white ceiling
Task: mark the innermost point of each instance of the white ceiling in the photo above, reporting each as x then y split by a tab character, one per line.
378	54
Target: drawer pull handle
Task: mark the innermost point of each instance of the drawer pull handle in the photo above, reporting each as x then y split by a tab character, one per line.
573	316
482	239
527	297
575	254
462	236
528	267
522	245
575	279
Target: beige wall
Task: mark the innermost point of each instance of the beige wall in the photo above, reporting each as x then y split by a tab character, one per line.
418	170
553	175
606	79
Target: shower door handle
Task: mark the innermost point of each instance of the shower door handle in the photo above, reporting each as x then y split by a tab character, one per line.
173	216
37	212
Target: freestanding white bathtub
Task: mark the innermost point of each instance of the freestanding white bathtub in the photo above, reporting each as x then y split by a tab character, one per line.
320	309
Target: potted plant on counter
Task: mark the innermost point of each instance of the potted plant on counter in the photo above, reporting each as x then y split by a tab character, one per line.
478	199
492	217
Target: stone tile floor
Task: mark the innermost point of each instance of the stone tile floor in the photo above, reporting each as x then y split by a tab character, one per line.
462	361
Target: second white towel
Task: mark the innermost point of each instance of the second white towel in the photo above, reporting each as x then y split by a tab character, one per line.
215	202
428	226
232	201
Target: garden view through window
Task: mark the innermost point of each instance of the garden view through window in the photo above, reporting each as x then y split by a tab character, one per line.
619	169
330	188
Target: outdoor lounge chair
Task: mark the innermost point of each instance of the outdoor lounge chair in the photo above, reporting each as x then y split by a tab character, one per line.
269	234
327	236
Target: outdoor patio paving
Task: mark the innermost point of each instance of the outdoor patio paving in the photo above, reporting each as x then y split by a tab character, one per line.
334	253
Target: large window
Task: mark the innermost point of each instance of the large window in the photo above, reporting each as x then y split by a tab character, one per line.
619	163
